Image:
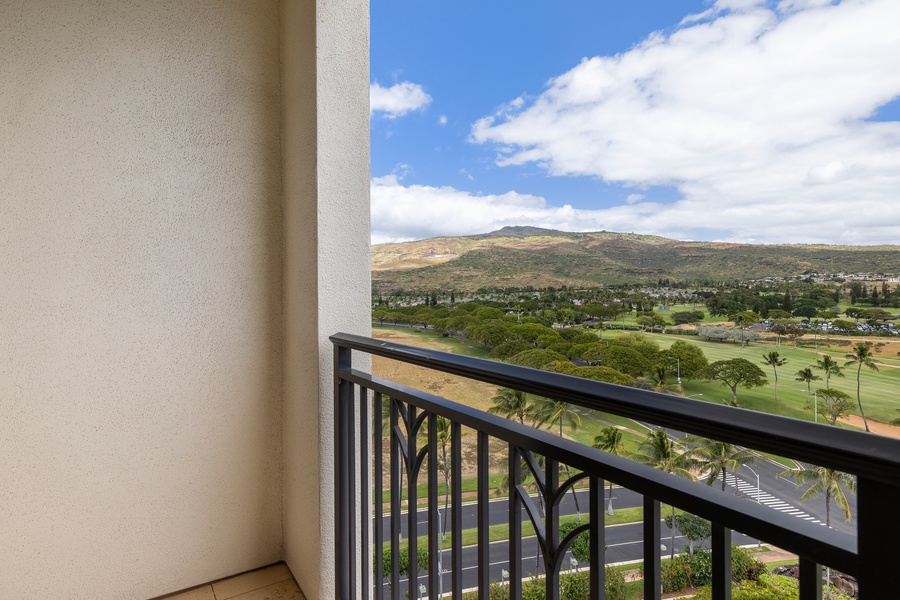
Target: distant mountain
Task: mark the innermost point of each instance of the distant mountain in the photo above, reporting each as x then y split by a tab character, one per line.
523	256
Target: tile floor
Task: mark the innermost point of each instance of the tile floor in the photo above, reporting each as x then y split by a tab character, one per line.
269	583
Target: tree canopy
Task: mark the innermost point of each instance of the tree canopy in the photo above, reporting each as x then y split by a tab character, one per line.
734	373
690	356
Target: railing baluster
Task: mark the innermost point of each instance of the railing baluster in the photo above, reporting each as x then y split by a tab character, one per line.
515	523
350	417
412	503
877	527
721	562
810	579
396	497
652	579
484	548
434	529
598	539
552	525
365	490
872	459
378	450
456	508
344	575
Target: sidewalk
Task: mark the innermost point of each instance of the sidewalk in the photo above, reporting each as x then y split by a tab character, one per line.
775	554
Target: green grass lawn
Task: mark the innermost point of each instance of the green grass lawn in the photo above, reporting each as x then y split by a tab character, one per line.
880	390
439	342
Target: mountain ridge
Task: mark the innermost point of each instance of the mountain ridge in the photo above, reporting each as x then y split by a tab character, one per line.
530	256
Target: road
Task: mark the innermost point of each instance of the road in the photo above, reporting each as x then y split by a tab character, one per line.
778	493
782	494
625	544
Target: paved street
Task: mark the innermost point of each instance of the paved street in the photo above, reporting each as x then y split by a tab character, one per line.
778	493
624	543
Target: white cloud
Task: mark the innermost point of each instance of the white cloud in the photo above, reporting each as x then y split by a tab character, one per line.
757	116
442	120
402	213
397	100
786	6
634	198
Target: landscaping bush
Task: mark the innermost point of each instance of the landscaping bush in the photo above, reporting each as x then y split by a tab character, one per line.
676	574
745	566
695	570
581	545
768	587
572	586
577	586
682	332
534	589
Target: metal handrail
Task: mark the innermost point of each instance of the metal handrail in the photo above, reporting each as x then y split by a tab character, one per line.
873	459
862	454
828	545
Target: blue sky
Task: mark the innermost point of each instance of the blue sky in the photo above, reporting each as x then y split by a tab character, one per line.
734	120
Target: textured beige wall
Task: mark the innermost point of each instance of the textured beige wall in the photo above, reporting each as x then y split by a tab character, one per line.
140	294
325	87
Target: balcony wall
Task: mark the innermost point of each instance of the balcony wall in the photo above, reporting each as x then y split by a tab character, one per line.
156	256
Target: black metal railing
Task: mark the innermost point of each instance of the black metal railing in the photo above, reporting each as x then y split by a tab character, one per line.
870	556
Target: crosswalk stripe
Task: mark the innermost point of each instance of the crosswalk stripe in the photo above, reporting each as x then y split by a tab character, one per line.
768	499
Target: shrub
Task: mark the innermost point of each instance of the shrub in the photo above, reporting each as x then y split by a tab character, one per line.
615	584
768	587
581	545
676	573
687	570
745	566
577	586
572	586
534	589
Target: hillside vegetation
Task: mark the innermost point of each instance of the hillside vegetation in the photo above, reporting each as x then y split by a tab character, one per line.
518	257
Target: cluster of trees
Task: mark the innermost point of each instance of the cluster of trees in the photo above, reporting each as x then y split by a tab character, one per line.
859	292
830	402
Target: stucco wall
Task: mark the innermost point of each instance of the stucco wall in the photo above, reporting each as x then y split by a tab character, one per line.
140	295
325	75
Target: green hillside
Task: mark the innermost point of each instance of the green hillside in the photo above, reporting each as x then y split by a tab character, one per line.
523	256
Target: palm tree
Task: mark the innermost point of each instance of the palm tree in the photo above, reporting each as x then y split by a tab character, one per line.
657	380
550	412
610	440
660	452
774	360
829	482
861	355
512	404
807	376
444	437
553	412
830	366
716	458
824	481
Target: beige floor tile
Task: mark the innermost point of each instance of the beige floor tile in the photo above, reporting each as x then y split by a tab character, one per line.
284	590
254	580
201	593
